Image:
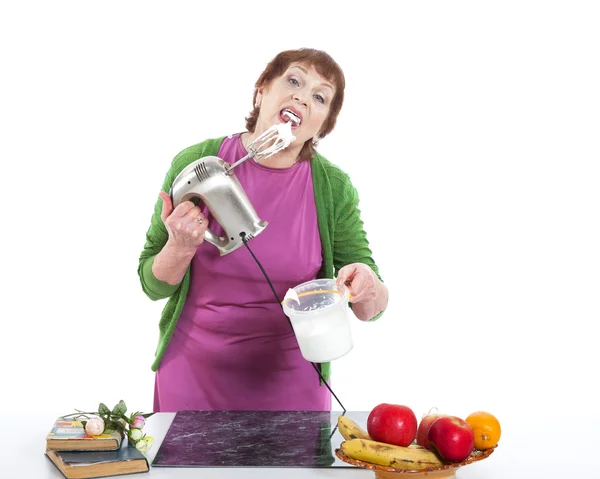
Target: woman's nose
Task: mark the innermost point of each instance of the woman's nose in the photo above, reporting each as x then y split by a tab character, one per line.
298	96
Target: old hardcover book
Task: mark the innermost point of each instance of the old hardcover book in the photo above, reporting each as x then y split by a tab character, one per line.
88	464
69	435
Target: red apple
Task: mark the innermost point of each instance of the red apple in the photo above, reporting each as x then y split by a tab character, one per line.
392	424
423	430
452	438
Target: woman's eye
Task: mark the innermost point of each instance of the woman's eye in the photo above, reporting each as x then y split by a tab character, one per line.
294	82
320	99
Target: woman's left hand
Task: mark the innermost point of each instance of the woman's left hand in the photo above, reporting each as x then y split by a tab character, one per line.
360	280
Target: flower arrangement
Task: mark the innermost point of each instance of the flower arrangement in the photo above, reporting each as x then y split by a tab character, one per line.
107	421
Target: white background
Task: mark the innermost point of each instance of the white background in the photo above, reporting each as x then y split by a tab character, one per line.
470	129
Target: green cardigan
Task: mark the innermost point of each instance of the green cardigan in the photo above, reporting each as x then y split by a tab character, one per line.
343	239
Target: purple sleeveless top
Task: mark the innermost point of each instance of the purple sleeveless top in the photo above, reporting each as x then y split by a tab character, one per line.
233	348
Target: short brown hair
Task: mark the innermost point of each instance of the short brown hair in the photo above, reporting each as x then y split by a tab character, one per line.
325	66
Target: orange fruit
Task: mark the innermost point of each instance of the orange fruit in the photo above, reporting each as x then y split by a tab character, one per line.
486	429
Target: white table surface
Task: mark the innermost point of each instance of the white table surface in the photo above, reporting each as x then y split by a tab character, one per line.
562	447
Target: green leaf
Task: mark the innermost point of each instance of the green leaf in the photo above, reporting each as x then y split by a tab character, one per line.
83	423
120	409
116	425
103	410
146	416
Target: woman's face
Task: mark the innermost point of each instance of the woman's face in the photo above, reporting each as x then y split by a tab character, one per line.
301	96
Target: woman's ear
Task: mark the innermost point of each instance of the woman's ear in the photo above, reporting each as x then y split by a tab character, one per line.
258	98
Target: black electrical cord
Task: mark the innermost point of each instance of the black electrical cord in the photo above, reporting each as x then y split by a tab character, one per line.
243	236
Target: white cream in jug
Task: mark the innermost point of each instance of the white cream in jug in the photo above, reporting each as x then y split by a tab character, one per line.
325	336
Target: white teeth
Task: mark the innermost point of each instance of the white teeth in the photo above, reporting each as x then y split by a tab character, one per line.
292	116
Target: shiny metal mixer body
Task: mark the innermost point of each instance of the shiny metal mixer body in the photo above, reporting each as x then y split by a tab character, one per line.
212	181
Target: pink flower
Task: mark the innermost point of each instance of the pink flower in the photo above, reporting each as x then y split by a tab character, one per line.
138	422
94	426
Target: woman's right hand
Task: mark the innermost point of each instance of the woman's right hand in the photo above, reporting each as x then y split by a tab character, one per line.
185	224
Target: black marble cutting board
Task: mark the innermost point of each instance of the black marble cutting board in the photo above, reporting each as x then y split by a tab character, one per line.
254	439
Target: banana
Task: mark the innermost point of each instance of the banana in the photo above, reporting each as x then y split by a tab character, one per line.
410	458
350	430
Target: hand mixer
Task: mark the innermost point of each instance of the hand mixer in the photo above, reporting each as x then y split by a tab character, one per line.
213	181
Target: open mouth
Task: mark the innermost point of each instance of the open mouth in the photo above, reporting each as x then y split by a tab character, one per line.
288	115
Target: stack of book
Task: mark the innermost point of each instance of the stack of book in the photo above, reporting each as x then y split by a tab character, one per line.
79	456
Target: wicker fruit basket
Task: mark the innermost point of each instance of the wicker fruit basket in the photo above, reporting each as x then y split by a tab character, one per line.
442	472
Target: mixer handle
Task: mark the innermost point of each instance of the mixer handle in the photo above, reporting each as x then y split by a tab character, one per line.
212	238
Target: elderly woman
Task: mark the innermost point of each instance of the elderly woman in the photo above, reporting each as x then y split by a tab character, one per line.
224	342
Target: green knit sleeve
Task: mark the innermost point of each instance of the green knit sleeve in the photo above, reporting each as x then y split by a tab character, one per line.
156	238
157	235
350	244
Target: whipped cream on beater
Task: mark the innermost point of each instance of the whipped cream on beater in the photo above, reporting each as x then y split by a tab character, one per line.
268	143
285	132
280	136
